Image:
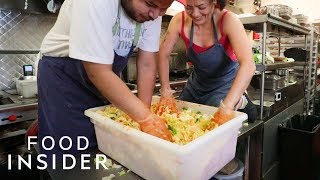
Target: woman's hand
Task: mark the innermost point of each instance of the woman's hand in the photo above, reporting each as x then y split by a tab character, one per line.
156	126
167	102
223	114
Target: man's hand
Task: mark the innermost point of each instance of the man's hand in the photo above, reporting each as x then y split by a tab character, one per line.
155	126
223	115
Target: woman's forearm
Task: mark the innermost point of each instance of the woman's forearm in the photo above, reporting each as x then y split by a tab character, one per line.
240	84
163	66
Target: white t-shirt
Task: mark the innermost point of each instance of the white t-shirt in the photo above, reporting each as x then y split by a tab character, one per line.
83	31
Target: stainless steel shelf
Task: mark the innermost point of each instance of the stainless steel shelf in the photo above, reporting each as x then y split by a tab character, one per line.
27	51
13	134
300	63
277	65
256	23
279	27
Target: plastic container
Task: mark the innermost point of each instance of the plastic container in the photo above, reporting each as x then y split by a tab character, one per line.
154	158
27	87
300	148
236	175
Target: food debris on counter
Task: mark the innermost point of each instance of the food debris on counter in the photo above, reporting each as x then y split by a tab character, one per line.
109	177
123	172
116	166
109	164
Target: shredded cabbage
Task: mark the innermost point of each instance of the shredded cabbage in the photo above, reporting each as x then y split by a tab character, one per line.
185	126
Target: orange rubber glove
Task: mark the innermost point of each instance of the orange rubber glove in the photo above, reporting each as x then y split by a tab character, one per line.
167	102
223	114
156	126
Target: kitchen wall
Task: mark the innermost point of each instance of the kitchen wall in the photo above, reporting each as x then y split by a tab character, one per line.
25	31
179	61
20	31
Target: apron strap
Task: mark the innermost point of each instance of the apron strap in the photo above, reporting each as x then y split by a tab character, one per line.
214	32
136	34
116	25
136	30
191	35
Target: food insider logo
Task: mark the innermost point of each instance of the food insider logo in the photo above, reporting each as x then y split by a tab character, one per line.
65	143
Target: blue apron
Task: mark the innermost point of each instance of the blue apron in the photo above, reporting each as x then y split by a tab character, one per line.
64	93
213	76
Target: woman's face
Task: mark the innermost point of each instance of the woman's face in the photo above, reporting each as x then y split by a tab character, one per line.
145	10
199	10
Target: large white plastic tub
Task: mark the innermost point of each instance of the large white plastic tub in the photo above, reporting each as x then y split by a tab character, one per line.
154	158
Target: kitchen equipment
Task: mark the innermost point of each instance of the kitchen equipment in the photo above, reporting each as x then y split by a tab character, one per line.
15	116
269	10
269	95
154	158
297	54
237	174
130	72
272	82
176	85
27	86
283	72
5	100
292	76
27	70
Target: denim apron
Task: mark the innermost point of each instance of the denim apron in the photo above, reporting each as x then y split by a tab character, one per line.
64	93
213	76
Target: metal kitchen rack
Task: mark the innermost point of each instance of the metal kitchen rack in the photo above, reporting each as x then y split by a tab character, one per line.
276	25
312	72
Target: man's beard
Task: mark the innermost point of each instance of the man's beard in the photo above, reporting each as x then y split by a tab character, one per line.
127	6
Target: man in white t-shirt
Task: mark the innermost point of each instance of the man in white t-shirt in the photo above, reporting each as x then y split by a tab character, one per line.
83	56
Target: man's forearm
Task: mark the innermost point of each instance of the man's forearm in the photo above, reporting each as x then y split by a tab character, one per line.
146	69
111	87
146	83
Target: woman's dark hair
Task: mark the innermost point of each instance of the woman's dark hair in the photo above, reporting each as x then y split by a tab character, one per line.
221	4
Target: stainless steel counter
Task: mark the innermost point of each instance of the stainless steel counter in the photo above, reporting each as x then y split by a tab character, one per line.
15	112
18	103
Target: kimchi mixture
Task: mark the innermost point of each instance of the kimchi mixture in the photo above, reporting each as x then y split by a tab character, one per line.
185	125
